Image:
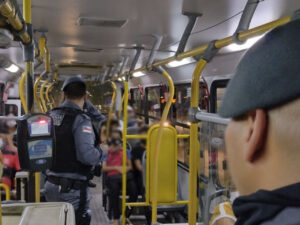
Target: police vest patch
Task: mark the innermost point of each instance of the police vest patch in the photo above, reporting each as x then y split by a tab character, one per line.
87	129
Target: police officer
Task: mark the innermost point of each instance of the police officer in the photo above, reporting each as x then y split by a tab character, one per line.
76	152
262	139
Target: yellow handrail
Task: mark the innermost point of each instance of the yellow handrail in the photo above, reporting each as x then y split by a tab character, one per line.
47	62
194	145
21	92
36	97
124	151
219	44
42	95
7	191
47	92
7	198
159	136
42	44
111	108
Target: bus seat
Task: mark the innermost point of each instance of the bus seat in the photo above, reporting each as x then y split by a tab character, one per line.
167	163
58	213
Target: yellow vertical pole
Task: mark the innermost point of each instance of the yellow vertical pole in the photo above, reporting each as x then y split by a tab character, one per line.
111	108
7	198
124	175
159	136
194	146
21	92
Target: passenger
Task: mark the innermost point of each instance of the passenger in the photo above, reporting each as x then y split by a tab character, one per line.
76	153
262	139
10	159
137	158
113	166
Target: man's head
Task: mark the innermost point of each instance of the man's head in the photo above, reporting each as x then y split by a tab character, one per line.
116	139
263	99
74	89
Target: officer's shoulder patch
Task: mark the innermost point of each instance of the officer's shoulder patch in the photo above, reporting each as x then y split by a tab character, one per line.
87	129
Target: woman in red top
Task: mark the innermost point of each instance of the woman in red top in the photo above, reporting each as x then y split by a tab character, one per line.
113	166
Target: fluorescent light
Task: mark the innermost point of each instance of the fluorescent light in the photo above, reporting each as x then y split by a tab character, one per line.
138	74
12	68
235	47
120	79
182	62
123	78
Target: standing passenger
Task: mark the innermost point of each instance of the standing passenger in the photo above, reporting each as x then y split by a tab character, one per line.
262	140
76	153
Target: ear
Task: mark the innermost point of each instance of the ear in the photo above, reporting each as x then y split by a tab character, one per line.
85	96
257	125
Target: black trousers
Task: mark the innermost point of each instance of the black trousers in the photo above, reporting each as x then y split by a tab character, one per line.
114	184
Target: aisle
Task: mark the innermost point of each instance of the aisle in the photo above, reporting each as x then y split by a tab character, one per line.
98	214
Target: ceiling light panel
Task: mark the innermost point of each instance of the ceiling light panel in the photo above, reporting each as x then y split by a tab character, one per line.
91	21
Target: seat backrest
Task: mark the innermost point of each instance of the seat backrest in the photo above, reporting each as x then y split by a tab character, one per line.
167	164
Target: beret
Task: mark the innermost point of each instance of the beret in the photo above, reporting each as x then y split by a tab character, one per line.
71	80
268	75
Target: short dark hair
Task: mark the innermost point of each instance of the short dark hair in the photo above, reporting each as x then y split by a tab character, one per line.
117	131
75	90
114	123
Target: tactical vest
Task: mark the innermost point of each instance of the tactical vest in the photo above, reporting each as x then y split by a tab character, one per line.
65	160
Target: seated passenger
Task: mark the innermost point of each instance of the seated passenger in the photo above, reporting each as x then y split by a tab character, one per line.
112	164
137	158
262	139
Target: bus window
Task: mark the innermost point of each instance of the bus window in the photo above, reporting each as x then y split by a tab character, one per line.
137	101
217	91
154	98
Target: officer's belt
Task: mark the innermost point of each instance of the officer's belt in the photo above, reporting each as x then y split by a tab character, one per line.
71	183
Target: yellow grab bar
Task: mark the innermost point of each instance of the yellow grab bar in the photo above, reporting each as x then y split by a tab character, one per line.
42	95
160	131
194	146
219	44
47	92
47	63
21	91
42	44
124	151
111	108
7	191
36	97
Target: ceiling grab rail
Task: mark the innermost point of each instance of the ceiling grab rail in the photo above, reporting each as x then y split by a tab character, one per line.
209	53
11	11
219	44
111	108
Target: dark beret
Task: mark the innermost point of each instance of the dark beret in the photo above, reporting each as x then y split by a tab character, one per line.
72	80
268	75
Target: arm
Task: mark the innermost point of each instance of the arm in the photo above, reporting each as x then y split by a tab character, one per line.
138	165
106	168
84	138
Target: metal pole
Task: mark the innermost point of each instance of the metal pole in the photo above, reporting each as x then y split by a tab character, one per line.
211	117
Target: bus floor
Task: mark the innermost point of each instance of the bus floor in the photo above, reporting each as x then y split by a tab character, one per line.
99	216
